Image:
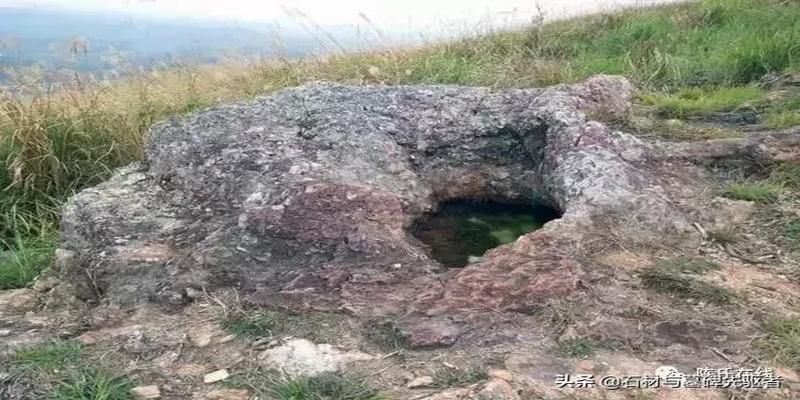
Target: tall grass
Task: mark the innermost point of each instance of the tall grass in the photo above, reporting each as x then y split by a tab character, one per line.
55	142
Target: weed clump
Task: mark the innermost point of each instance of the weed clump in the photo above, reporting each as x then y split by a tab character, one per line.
253	324
695	102
577	348
327	386
759	192
452	377
93	384
61	370
48	357
386	335
25	259
782	342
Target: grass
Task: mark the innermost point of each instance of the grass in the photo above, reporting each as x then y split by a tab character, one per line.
577	348
261	322
759	192
385	335
48	358
93	384
61	369
791	231
785	113
782	176
782	119
786	175
676	283
782	342
698	101
453	377
25	259
328	386
688	58
253	324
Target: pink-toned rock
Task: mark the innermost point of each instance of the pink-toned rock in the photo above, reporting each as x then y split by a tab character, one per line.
88	338
201	336
606	96
522	276
430	332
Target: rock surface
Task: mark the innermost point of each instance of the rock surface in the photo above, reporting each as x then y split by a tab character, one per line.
300	357
303	199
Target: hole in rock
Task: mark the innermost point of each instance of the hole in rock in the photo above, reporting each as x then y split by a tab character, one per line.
463	229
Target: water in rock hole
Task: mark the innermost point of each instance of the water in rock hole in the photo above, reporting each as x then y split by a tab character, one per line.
460	231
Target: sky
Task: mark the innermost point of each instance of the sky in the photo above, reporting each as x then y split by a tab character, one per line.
390	15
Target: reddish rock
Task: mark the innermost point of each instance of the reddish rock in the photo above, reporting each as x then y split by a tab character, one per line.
521	277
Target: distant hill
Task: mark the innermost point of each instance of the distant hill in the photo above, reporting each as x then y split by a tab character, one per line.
108	43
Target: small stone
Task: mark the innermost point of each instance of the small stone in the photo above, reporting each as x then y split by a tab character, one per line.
87	338
216	376
474	259
226	339
63	259
228	394
420	382
500	374
5	332
45	284
193	293
585	366
452	394
200	338
405	376
146	392
498	389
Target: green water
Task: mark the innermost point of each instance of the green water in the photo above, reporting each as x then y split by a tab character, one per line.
460	229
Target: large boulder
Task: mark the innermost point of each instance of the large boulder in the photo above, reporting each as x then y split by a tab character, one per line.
303	198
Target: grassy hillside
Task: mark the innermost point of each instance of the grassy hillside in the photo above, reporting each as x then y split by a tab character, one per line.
687	60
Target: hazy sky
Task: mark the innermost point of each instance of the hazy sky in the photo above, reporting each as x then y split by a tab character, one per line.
387	14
